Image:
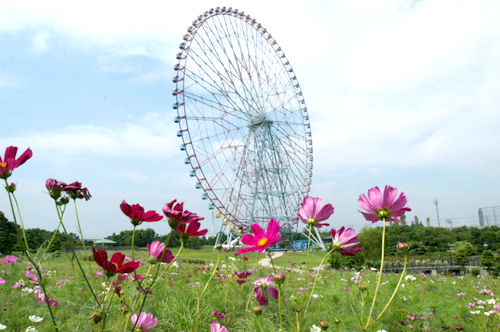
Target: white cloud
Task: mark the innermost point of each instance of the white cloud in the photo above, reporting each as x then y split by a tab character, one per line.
151	137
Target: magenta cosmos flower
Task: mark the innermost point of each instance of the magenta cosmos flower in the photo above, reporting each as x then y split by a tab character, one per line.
115	264
75	190
176	214
158	253
263	288
216	327
145	321
313	211
260	241
137	215
191	229
343	239
383	207
9	162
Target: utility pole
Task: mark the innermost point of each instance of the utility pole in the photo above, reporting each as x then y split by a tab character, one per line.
437	211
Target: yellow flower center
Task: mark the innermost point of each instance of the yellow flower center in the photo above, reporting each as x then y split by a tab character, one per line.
384	214
262	242
3	164
311	221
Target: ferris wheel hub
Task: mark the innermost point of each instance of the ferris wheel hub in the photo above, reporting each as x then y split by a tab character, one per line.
259	121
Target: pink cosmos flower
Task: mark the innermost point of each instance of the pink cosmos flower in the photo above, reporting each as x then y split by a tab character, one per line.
383	207
158	253
191	229
341	240
9	259
263	287
31	276
260	241
9	162
216	327
313	211
54	187
176	214
145	321
137	215
2	281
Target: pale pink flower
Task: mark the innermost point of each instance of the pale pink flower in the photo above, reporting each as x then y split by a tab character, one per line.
9	259
145	321
216	327
313	211
158	253
383	207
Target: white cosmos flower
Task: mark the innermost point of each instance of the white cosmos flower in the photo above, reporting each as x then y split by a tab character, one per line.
315	328
35	319
2	327
31	329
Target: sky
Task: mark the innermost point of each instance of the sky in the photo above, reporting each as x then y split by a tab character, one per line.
403	93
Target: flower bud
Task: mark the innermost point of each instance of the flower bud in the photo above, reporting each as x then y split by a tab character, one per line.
279	278
257	311
402	247
362	287
96	318
63	201
324	325
218	247
11	187
337	321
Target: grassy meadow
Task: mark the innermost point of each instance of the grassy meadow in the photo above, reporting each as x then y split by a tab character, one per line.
341	297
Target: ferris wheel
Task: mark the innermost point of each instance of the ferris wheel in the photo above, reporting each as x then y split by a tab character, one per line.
243	121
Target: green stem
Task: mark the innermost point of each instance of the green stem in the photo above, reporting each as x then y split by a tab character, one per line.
28	255
315	281
307	252
133	238
53	236
395	291
382	256
81	234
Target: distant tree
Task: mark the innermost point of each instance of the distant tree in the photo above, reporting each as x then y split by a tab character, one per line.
487	259
8	234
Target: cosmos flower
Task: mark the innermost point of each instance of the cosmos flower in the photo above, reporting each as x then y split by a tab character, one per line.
54	187
313	211
75	191
383	207
216	327
9	162
35	319
145	321
176	214
191	229
9	259
263	288
260	241
137	215
344	238
115	265
158	253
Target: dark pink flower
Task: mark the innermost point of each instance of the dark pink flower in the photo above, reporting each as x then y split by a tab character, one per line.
344	238
217	314
263	288
137	215
31	276
158	253
383	207
176	214
313	211
260	241
75	191
216	327
115	264
191	229
9	162
54	187
243	275
145	321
